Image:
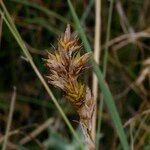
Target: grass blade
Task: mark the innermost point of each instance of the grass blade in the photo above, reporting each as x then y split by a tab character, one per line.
18	38
108	99
101	104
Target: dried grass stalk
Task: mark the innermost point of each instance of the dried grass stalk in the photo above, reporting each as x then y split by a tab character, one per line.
65	65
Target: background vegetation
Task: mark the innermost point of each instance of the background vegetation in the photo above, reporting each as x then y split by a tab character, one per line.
36	122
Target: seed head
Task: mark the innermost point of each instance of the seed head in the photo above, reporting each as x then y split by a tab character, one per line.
65	65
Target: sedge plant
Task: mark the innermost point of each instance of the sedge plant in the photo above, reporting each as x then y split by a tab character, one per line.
65	66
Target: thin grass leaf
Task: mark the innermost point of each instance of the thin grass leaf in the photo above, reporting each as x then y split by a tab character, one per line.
18	38
101	104
108	99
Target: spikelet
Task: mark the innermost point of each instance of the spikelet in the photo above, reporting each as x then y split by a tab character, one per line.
65	65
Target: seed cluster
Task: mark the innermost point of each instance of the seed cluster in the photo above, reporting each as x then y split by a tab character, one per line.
65	65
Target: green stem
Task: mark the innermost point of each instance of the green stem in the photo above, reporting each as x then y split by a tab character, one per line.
108	99
18	38
104	71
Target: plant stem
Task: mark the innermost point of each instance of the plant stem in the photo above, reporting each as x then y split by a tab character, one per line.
97	51
12	105
18	38
104	70
108	99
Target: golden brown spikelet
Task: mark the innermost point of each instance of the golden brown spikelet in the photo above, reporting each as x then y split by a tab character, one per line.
65	65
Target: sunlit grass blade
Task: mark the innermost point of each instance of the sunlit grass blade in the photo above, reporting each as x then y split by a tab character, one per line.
108	99
11	26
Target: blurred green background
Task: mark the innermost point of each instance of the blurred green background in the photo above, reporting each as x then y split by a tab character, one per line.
40	23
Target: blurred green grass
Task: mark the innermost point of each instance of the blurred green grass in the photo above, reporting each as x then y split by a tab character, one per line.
40	23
